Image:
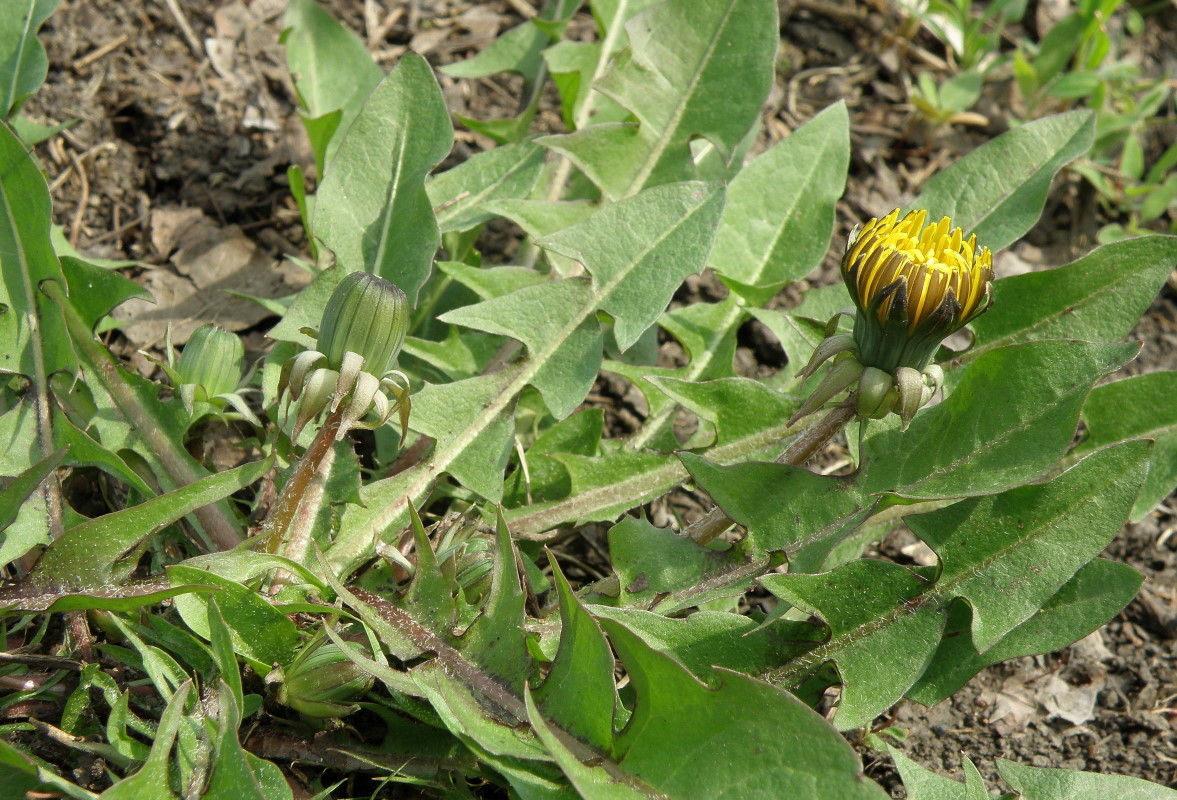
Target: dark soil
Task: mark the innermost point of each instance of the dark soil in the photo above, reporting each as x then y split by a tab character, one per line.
196	113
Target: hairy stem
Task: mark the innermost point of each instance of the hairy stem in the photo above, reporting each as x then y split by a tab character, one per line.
282	516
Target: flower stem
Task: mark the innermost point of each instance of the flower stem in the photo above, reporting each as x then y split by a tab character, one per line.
285	511
804	447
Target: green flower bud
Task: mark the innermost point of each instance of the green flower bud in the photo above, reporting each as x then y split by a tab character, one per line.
213	360
368	316
321	681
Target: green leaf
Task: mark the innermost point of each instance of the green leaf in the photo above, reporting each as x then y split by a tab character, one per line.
819	508
955	450
923	784
1044	783
546	478
95	291
673	741
380	219
18	772
628	248
864	604
654	565
152	782
23	63
582	71
998	190
126	598
539	316
1009	554
607	484
331	68
1140	407
694	68
707	331
235	772
307	309
578	694
1095	594
36	344
493	640
459	195
259	631
1058	45
1100	297
779	214
707	639
470	419
13	496
104	550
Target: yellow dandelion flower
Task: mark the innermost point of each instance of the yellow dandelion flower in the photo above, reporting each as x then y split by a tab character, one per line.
913	284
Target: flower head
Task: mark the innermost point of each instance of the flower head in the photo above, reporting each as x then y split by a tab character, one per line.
913	285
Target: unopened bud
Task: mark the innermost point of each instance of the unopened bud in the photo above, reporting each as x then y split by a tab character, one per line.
368	316
321	681
213	360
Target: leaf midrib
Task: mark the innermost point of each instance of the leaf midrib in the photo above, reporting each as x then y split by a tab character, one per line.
662	139
433	468
939	595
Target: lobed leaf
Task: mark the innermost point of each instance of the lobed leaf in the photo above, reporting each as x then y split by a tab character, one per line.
1098	298
460	196
1094	595
1045	783
1007	555
955	450
261	633
779	214
105	549
694	68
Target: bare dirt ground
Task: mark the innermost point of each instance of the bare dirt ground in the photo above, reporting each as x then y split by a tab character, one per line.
185	127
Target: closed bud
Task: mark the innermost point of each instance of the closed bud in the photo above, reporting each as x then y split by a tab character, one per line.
212	360
368	316
321	681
